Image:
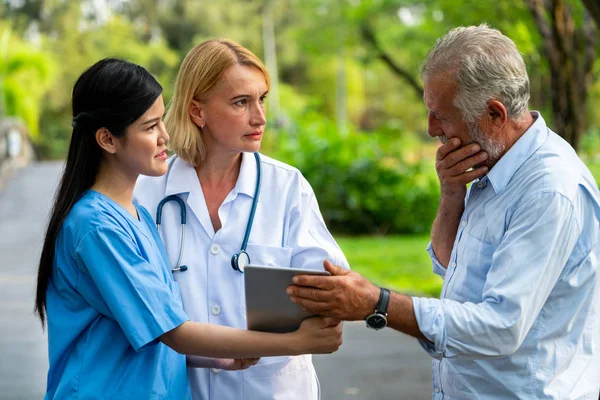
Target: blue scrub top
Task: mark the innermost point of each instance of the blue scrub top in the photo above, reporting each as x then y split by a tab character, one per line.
110	297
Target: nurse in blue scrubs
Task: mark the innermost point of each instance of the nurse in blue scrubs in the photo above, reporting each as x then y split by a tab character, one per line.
116	326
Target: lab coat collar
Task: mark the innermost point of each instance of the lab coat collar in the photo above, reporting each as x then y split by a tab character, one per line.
246	182
182	179
182	176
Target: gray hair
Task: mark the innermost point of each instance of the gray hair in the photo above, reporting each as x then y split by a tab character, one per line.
486	65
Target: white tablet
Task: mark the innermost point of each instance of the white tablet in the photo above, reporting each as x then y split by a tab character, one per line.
268	306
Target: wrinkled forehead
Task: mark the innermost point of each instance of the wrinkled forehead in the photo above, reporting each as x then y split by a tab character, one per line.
439	92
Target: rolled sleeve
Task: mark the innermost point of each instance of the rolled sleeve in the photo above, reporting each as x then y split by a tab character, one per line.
438	268
430	318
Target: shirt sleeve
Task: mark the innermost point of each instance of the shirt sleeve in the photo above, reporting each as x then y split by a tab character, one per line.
308	236
438	268
539	239
134	291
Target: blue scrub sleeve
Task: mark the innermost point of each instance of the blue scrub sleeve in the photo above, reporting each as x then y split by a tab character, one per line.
136	292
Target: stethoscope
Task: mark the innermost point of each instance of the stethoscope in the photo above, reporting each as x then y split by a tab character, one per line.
240	259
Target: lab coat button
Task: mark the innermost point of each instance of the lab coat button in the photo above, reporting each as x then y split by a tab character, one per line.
215	249
215	309
464	223
453	264
215	370
437	389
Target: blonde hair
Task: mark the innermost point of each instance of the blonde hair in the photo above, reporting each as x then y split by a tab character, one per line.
200	71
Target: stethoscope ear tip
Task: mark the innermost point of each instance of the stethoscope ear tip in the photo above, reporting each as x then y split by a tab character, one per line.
183	268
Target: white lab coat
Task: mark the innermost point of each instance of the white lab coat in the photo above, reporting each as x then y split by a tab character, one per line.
288	230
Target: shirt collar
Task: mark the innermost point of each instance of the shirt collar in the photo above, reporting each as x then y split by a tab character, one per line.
516	156
183	175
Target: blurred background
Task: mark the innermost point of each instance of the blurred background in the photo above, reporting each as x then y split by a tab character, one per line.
345	106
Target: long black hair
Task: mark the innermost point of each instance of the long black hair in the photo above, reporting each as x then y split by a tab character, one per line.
111	94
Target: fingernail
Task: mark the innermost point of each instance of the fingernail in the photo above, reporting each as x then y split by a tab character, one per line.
475	147
455	141
288	291
295	279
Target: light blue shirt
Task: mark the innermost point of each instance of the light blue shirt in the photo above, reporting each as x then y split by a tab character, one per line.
288	231
110	297
518	316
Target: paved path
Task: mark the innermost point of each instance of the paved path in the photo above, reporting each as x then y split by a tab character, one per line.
370	365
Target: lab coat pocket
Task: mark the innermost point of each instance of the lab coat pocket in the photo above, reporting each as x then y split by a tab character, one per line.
289	378
265	255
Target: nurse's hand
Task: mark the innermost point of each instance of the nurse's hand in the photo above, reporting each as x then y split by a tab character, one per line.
227	364
319	335
236	364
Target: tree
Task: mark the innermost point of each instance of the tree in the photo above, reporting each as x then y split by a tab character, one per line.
569	44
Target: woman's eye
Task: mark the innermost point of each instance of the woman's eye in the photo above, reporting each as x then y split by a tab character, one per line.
241	102
263	98
152	127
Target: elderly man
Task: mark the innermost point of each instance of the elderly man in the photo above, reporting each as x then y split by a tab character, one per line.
518	316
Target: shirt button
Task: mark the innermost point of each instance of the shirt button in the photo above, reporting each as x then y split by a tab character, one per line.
437	389
453	264
215	370
215	249
215	309
464	223
480	185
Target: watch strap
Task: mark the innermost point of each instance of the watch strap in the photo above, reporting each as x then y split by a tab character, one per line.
384	301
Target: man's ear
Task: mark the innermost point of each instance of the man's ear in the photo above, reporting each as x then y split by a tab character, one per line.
497	115
106	140
196	113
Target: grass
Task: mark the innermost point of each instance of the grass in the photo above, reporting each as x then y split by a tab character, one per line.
397	262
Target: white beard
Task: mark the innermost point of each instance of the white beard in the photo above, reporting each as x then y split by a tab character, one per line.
493	148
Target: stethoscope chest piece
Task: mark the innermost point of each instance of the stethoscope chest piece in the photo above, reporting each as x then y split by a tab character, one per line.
240	260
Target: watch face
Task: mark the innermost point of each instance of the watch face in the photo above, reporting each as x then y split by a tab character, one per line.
376	321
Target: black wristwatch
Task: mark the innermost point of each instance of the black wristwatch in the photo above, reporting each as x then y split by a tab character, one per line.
378	319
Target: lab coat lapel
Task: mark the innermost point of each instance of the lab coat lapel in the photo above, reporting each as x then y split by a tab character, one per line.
183	179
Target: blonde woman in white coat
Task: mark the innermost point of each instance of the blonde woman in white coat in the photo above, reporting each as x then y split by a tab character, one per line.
216	120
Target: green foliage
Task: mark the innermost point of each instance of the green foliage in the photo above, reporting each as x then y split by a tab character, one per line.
364	183
82	44
25	76
397	262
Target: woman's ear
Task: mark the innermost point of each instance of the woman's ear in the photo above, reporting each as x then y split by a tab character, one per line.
196	113
497	115
106	140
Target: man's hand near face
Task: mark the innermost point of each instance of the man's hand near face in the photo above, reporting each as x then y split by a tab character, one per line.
456	166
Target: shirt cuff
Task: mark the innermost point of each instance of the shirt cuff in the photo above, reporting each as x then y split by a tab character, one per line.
438	268
430	318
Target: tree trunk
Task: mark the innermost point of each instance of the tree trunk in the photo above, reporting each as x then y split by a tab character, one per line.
570	51
593	7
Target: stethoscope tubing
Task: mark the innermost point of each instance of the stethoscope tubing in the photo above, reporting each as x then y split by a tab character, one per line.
182	210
